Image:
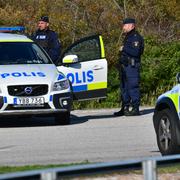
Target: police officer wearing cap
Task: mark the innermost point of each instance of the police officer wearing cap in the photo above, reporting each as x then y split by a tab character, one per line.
47	39
130	58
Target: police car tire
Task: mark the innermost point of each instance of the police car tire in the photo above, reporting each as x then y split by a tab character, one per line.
62	118
169	119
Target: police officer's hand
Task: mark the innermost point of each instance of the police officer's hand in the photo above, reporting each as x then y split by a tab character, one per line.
121	48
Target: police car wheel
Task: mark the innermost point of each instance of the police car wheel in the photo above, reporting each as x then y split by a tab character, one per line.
62	118
166	132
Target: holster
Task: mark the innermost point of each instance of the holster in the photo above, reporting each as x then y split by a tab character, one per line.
126	60
132	62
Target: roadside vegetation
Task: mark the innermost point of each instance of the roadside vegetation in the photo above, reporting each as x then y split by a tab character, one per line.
168	172
158	21
11	169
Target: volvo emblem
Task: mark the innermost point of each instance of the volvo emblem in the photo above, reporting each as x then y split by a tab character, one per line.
28	90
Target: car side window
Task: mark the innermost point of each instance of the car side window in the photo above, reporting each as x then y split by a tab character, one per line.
86	50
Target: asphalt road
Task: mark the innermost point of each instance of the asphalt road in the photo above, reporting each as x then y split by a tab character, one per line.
94	136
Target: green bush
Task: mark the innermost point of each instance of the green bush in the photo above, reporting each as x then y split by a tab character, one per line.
158	22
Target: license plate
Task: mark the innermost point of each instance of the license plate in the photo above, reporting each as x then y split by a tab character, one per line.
29	101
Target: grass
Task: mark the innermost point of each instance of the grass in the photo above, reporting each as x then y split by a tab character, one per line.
11	169
171	170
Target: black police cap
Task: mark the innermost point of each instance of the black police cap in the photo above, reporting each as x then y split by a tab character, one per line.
129	21
44	18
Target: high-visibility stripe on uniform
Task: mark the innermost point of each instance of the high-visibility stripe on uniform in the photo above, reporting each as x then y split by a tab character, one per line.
102	47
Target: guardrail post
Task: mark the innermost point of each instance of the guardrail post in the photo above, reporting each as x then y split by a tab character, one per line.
149	170
48	176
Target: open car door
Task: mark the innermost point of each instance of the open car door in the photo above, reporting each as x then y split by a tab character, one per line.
85	65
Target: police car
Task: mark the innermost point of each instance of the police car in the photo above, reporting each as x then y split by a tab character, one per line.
30	84
166	120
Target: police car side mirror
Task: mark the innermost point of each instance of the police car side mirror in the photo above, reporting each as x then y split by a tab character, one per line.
70	59
178	77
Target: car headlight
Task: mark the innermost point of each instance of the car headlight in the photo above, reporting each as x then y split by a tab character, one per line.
61	85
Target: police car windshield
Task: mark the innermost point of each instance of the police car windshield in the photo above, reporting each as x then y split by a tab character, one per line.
22	53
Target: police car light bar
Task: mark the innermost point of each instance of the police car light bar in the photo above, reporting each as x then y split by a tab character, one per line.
11	29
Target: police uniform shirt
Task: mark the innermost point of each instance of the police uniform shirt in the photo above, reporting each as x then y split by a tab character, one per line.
133	45
48	40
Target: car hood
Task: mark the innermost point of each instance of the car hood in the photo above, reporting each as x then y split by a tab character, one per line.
28	74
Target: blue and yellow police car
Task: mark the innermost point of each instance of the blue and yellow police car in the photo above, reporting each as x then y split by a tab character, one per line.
166	120
30	84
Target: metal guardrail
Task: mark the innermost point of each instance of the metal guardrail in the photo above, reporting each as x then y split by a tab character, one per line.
148	165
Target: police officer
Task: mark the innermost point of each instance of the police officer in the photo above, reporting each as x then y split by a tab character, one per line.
130	58
47	39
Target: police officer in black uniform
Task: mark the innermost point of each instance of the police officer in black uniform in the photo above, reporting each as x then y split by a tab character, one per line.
47	39
130	58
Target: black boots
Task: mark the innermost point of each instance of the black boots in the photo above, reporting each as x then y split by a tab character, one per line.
134	112
119	113
125	112
122	112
